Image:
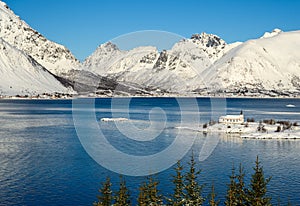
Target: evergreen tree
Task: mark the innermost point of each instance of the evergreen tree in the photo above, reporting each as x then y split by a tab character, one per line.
237	192
177	198
122	197
213	201
241	191
193	190
149	194
231	196
142	198
153	193
258	187
105	197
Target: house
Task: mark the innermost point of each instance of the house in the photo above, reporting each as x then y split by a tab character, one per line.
232	119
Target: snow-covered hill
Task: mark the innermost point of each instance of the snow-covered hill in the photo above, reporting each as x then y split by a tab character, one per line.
20	74
56	58
269	64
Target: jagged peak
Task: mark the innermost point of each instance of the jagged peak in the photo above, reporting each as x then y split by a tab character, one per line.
108	47
208	40
106	50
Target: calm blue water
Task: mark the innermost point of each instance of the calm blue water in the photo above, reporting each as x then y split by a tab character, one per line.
42	161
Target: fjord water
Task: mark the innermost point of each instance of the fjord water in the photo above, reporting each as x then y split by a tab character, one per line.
42	161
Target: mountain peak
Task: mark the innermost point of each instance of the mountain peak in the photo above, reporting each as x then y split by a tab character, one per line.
211	44
108	47
105	50
208	40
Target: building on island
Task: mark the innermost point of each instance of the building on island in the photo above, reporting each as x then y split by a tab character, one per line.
232	119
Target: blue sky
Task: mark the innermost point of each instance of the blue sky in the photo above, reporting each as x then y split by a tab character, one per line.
83	25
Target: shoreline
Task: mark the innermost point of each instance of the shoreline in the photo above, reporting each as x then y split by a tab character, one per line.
69	97
250	130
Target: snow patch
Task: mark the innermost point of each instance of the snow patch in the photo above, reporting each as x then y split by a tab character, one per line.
121	119
275	32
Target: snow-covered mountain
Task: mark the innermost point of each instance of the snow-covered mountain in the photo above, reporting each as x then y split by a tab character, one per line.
202	64
268	64
56	58
143	65
205	63
20	74
212	45
176	70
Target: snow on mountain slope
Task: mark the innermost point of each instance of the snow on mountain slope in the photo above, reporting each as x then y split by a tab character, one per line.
109	60
101	60
20	74
175	70
168	70
212	45
171	70
271	63
56	58
203	62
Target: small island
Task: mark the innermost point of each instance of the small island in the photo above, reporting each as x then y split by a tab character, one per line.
249	129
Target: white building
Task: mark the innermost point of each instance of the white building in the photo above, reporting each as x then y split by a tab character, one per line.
232	119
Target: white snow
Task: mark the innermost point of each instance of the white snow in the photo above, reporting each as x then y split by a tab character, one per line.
55	57
249	131
268	63
206	63
212	45
20	74
166	70
271	34
202	65
120	119
290	105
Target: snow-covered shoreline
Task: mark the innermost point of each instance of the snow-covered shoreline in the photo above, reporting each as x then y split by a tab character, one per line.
256	130
72	96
